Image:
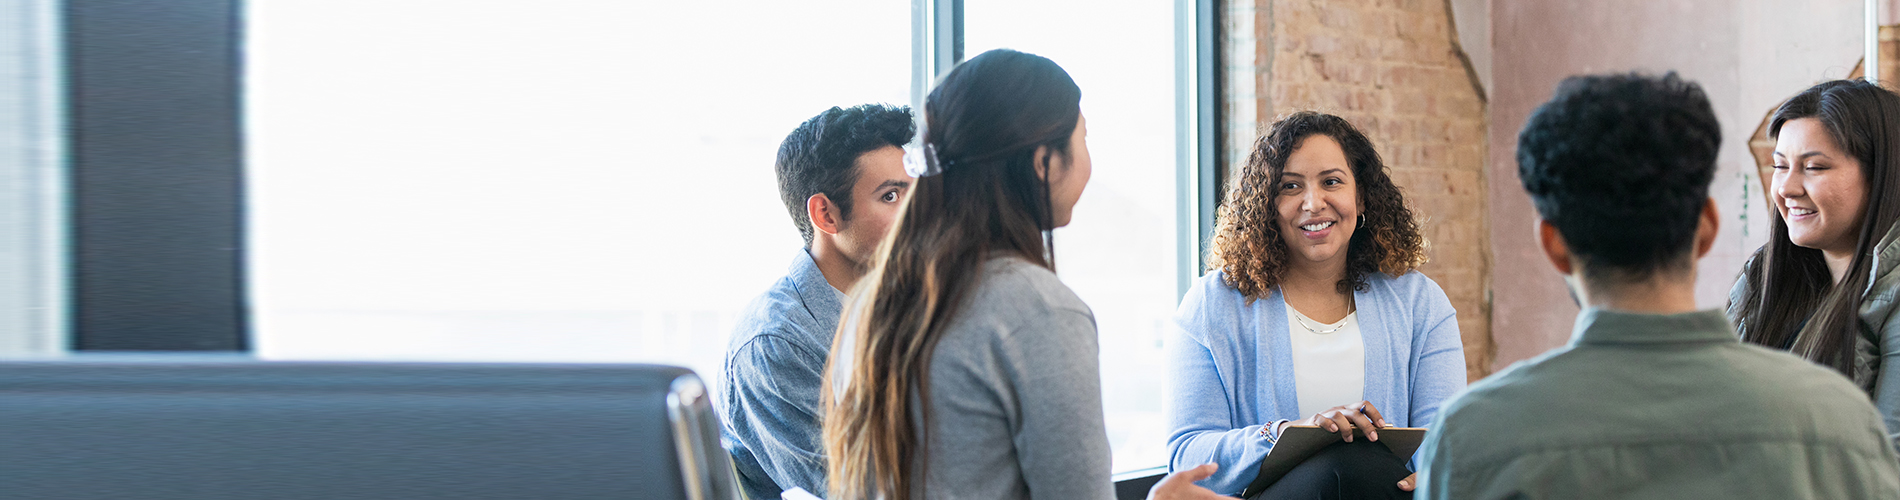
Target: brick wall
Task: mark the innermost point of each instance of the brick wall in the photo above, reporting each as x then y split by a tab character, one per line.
1394	68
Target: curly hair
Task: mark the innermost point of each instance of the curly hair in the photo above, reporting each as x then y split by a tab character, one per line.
1247	243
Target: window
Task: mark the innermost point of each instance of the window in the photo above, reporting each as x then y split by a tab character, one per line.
542	181
1119	253
589	181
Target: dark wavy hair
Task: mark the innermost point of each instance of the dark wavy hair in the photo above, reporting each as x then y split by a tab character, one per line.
986	121
1621	165
1788	286
821	155
1248	246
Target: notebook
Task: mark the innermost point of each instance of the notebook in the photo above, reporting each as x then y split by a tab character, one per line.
1298	442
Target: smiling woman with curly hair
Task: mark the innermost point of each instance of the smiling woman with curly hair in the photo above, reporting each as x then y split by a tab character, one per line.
1312	313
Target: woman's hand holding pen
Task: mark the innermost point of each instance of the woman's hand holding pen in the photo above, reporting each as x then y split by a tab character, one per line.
1342	419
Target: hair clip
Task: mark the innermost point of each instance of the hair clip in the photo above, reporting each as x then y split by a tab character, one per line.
920	157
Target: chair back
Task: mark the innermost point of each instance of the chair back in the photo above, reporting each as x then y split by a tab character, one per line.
225	430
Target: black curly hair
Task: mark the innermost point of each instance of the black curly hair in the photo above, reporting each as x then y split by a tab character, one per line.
1621	165
821	155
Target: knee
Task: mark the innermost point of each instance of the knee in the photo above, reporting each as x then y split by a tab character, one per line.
1359	462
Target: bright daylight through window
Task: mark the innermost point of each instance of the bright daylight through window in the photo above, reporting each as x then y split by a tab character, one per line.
591	181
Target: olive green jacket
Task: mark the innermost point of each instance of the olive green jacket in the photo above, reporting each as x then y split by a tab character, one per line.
1877	350
1659	406
1880	319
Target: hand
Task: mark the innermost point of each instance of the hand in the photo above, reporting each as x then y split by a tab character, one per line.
1180	485
1409	483
1342	419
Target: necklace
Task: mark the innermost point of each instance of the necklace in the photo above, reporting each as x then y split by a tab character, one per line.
1321	329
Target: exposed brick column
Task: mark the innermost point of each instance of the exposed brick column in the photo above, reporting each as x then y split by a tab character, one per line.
1394	68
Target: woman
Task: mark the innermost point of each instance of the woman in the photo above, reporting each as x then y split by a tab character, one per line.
1313	314
1824	285
963	367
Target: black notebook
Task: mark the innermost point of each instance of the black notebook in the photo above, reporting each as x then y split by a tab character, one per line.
1299	442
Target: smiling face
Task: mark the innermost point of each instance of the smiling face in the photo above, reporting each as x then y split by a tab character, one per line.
1317	203
1818	188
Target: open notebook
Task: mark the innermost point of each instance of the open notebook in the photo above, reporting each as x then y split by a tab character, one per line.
1299	442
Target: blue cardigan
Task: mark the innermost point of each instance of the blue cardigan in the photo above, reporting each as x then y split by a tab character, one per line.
1230	367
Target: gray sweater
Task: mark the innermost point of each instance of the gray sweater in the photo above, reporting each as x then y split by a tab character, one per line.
1016	394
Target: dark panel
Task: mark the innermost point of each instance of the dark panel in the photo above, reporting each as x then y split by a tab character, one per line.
1134	485
956	31
156	173
190	430
1208	77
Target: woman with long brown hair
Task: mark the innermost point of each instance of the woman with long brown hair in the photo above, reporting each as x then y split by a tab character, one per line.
963	367
1312	313
1825	285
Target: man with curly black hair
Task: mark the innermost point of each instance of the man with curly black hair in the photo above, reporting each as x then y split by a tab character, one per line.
841	176
1653	397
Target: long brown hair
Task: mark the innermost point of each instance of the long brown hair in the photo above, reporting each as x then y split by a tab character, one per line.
984	121
1247	241
1788	286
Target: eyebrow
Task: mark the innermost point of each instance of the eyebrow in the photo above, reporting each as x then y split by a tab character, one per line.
1804	155
893	183
1324	172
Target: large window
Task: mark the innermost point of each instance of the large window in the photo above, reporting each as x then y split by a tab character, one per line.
550	181
1118	253
587	181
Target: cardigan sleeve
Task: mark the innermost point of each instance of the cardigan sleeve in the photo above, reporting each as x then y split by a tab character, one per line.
1438	362
1199	410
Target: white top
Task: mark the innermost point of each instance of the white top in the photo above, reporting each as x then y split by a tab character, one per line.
1329	369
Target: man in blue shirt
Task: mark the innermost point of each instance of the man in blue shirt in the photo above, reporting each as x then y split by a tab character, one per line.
1653	397
841	175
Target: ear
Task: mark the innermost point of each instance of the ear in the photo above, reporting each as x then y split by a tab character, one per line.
1555	250
1042	162
1705	228
823	214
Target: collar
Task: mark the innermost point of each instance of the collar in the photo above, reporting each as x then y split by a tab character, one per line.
1605	326
814	290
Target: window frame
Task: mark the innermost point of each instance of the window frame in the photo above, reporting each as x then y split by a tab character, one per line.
155	175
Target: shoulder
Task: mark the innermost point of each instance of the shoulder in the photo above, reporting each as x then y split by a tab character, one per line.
1212	305
1015	283
1018	307
1493	401
1791	392
1412	292
1881	306
1779	376
1412	284
776	318
1212	289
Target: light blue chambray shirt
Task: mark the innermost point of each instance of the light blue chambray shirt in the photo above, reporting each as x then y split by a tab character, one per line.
774	366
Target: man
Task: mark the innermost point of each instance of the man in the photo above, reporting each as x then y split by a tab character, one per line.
841	175
1652	398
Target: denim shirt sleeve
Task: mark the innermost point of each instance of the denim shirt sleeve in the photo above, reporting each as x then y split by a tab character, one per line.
776	395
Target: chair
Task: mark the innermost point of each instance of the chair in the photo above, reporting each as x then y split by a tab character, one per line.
177	429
